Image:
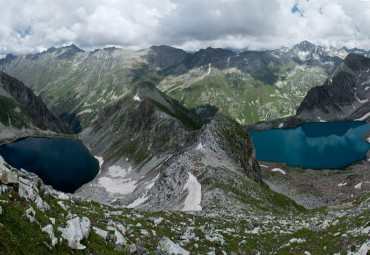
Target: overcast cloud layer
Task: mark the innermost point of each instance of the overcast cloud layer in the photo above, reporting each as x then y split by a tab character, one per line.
35	25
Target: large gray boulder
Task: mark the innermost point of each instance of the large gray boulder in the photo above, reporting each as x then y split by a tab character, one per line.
169	247
76	230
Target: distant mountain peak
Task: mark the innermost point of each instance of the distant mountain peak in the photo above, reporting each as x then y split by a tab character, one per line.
73	47
305	46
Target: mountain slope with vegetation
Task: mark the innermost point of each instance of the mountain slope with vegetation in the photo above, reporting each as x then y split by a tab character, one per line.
34	217
22	112
248	86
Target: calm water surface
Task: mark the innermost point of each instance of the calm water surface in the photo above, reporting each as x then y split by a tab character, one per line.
333	145
63	163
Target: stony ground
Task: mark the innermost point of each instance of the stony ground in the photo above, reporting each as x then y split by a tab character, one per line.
37	219
312	188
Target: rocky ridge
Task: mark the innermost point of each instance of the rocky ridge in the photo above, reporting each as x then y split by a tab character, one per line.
345	96
35	216
23	113
247	86
153	150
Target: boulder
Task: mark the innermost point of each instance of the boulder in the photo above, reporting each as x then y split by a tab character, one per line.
169	247
76	230
100	232
8	176
49	230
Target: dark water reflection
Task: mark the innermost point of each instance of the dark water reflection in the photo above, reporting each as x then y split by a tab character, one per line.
333	145
64	163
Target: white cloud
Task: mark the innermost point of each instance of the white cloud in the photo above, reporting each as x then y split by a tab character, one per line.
32	26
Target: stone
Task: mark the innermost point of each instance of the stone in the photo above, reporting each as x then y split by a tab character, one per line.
100	232
130	249
49	230
8	176
76	230
170	247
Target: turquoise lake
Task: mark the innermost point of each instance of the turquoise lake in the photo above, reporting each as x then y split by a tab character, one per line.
332	145
64	163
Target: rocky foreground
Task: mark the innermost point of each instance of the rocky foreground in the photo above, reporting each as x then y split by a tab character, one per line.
35	217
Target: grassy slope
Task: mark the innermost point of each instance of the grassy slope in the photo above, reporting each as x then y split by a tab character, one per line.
18	236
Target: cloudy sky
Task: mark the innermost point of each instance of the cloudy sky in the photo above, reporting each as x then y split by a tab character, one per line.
35	25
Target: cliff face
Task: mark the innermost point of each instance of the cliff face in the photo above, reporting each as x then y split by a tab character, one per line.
345	96
29	110
153	150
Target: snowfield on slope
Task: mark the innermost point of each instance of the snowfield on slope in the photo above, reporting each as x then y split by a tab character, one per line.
194	197
116	182
278	170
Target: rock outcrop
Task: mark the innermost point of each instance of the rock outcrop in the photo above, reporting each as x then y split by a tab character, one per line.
152	148
248	86
75	225
22	109
345	96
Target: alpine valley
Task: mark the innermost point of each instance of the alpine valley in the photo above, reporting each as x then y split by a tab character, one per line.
178	170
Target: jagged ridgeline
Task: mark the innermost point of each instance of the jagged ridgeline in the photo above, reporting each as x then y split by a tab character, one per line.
248	86
154	148
344	96
22	110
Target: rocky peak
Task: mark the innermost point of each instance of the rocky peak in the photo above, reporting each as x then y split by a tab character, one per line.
341	97
165	56
33	106
8	59
68	52
148	138
305	46
216	56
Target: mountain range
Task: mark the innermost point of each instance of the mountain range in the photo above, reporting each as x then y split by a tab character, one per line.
248	86
167	128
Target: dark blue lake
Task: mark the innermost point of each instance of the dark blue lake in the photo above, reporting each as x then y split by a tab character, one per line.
332	145
64	163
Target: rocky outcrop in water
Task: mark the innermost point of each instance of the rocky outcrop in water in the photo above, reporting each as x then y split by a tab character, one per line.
345	96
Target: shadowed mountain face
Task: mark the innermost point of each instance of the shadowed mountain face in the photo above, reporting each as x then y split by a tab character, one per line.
20	108
248	86
152	147
344	96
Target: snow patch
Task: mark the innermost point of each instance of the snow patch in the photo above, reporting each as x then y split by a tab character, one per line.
364	117
208	71
101	162
278	170
192	201
118	172
200	147
264	166
281	125
138	202
302	55
342	184
85	111
120	186
358	185
137	98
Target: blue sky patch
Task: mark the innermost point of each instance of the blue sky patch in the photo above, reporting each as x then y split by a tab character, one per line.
24	32
296	9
